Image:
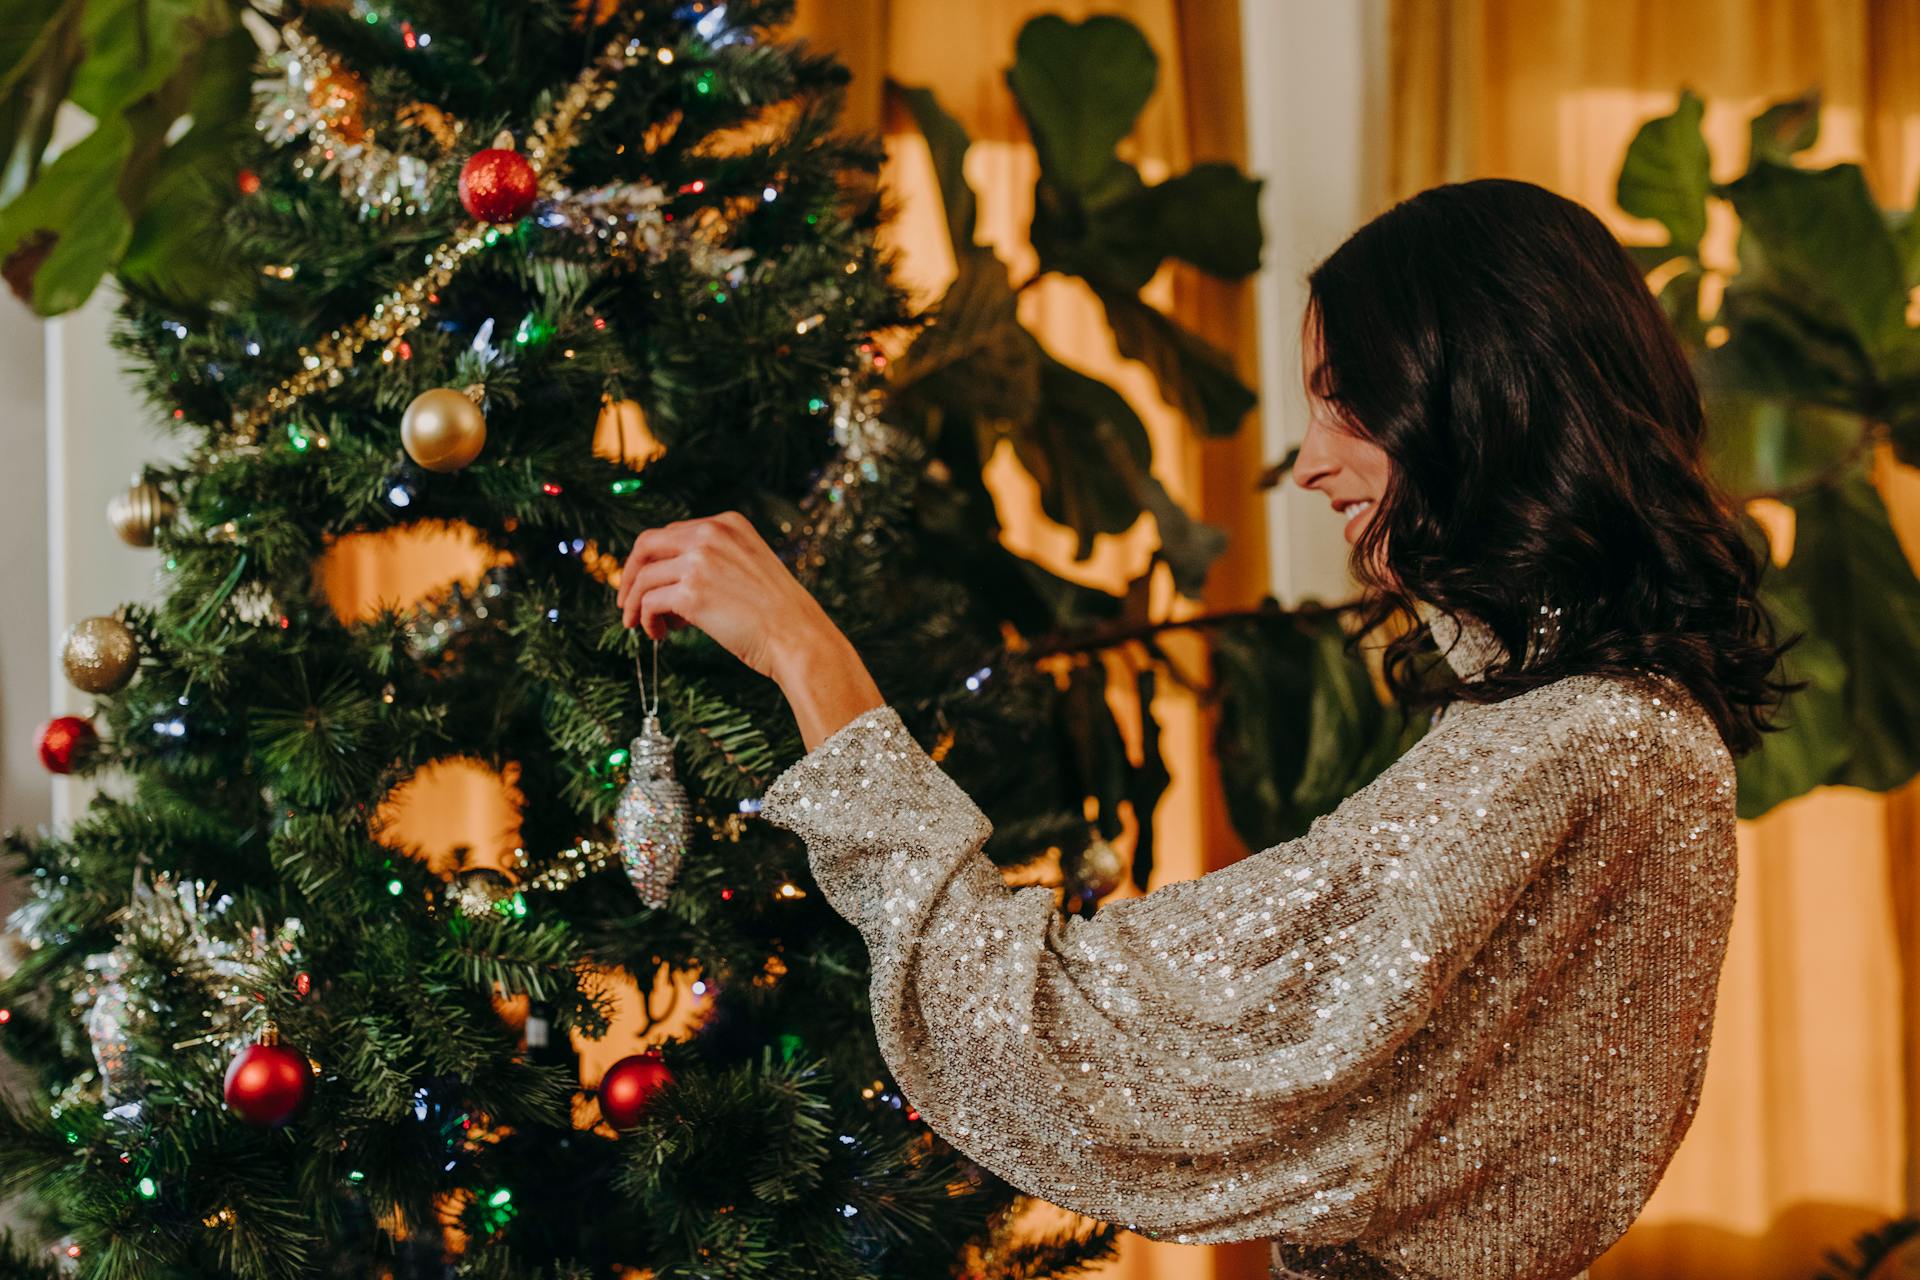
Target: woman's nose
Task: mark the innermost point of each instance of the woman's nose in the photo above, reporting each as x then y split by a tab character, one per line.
1312	464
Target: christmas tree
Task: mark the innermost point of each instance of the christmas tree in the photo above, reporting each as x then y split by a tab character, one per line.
554	273
269	1039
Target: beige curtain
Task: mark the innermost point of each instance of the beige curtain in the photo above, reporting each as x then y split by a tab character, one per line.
1806	1132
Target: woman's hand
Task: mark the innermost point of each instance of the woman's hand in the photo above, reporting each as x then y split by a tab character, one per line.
718	574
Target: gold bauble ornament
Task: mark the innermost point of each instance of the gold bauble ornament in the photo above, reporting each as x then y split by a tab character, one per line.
137	513
443	429
100	654
1095	871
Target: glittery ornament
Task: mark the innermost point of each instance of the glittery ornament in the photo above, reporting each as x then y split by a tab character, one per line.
443	429
870	451
653	823
168	950
498	185
64	741
629	1087
99	654
1095	871
477	891
339	96
137	512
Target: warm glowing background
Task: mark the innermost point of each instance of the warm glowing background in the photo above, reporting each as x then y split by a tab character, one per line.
1806	1132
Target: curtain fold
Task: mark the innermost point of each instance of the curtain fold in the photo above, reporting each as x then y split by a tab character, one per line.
1807	1130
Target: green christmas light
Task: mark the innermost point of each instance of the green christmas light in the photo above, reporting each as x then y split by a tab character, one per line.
299	439
617	757
816	405
395	888
500	1199
356	1177
532	329
147	1188
631	484
703	83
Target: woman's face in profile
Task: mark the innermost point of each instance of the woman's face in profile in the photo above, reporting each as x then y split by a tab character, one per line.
1350	469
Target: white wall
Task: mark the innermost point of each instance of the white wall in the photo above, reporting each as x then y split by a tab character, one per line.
25	796
1316	74
98	433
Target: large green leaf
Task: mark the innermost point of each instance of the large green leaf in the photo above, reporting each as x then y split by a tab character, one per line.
1188	546
1785	129
1146	783
1195	376
75	203
1208	216
175	249
1760	444
1088	497
135	46
1301	726
1815	737
39	50
974	362
947	141
1826	244
1861	595
1665	175
1099	749
1081	86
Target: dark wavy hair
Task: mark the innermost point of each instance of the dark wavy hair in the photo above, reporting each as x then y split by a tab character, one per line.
1544	431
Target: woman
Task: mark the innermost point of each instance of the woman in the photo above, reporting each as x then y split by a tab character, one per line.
1456	1030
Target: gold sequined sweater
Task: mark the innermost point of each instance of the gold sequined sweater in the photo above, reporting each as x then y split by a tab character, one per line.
1455	1031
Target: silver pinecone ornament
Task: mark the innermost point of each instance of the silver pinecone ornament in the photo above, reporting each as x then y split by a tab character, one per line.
652	825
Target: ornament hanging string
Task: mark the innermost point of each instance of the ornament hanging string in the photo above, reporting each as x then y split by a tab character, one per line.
650	710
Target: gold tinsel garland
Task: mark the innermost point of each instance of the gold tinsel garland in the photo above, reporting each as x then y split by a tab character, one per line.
323	364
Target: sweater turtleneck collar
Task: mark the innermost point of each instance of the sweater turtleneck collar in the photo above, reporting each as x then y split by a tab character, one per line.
1472	649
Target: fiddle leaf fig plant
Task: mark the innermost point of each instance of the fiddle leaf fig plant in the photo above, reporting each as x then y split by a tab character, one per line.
978	376
1808	368
166	84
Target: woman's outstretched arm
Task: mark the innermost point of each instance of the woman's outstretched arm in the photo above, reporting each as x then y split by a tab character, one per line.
1201	1062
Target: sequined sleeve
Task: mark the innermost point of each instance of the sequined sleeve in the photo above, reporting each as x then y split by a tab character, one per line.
1202	1062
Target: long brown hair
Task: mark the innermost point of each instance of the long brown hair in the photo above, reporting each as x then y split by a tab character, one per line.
1544	430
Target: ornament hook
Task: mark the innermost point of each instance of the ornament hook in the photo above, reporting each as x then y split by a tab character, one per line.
650	710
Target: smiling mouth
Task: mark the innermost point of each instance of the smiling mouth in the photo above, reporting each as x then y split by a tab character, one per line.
1353	509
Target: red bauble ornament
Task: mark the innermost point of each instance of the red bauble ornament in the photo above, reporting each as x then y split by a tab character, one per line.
268	1083
63	740
629	1086
497	185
